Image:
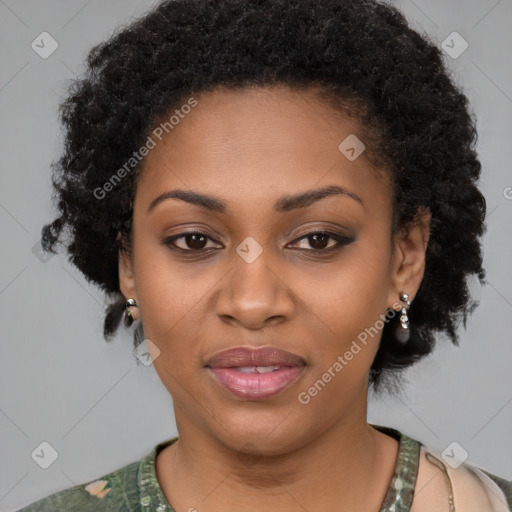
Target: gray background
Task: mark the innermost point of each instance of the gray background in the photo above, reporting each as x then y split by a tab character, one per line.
61	383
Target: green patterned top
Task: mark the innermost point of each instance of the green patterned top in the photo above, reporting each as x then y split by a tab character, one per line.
135	487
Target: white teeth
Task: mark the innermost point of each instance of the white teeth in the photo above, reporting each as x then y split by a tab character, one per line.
247	369
267	369
257	369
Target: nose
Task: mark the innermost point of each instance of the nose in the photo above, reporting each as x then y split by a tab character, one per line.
254	295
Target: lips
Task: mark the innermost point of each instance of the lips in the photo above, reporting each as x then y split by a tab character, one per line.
262	357
255	374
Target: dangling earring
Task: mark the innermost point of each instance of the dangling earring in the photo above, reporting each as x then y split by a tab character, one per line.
128	317
404	319
404	333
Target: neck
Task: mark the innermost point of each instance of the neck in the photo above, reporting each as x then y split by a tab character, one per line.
349	465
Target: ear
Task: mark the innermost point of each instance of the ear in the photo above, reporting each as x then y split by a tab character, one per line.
126	274
408	262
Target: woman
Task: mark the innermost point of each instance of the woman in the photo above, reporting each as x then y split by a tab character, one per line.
277	193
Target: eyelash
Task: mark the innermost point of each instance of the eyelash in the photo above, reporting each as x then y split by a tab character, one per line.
340	242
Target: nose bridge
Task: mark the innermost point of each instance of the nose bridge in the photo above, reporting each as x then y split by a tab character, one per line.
253	292
252	273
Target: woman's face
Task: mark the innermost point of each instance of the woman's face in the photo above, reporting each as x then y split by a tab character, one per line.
253	277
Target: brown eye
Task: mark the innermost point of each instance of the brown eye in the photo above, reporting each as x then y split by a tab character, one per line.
318	240
192	241
195	241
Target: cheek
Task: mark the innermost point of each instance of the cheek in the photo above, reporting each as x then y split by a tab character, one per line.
350	295
168	297
346	314
175	308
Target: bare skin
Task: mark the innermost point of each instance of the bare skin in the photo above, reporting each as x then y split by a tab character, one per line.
250	148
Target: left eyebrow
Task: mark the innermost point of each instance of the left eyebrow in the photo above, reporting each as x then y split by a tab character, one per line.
283	204
305	199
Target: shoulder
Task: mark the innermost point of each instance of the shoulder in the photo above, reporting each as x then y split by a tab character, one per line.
467	487
117	490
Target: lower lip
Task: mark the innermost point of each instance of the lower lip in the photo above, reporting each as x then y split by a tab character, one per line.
256	386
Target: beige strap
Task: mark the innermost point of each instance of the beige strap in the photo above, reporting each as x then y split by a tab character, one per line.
447	480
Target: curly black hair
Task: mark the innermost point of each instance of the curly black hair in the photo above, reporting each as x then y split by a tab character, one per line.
364	57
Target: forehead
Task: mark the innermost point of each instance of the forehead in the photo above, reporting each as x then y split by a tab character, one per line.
255	144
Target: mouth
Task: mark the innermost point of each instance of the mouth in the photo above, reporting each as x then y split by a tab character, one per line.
255	374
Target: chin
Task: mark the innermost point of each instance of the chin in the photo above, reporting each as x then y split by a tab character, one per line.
256	432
